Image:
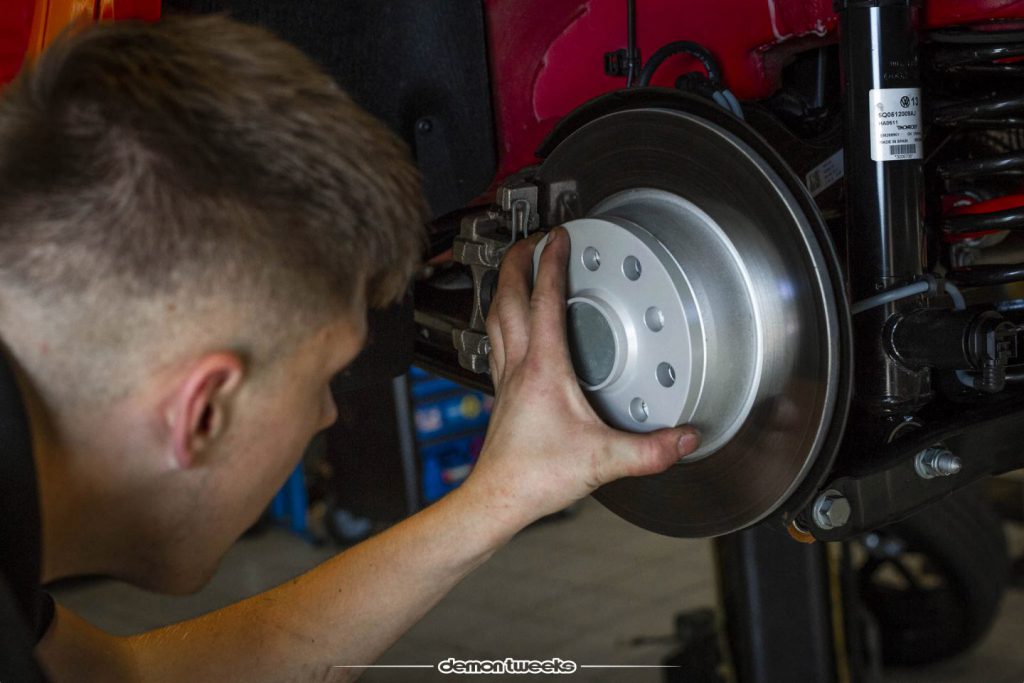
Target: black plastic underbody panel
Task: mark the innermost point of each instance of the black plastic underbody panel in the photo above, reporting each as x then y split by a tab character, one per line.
421	67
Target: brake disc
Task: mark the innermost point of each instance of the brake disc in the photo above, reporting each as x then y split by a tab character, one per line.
702	289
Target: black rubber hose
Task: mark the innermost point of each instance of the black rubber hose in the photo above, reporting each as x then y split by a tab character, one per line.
681	47
1006	219
994	274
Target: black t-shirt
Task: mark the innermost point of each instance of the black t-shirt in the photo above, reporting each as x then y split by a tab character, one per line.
25	610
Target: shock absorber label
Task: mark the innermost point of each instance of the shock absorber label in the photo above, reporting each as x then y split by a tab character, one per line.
895	124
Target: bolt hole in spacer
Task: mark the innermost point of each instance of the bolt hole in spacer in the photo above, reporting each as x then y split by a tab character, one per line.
654	319
666	375
638	409
631	268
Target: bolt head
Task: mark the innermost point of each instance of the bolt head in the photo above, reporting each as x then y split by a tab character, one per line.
936	462
839	512
948	464
832	510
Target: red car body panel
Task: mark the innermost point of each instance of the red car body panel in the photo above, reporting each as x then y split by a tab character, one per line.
547	56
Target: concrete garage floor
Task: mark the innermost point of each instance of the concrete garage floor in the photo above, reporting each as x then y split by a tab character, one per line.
590	588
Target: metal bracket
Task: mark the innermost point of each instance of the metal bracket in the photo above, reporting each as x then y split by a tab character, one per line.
481	244
518	201
983	442
474	350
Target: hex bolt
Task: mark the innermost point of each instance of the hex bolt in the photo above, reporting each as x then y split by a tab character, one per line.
831	510
936	462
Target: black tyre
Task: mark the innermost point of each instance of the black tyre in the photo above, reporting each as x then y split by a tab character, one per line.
934	581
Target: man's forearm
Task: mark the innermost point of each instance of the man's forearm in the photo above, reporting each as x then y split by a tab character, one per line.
347	611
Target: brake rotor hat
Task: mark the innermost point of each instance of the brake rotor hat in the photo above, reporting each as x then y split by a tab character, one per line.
644	338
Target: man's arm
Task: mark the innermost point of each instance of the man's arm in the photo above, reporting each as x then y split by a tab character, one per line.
545	448
345	612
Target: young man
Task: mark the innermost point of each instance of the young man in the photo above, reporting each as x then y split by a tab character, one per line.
193	221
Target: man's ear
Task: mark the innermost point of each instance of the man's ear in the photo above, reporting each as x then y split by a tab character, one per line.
201	405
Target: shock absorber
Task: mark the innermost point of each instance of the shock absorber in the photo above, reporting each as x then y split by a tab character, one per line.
976	92
884	188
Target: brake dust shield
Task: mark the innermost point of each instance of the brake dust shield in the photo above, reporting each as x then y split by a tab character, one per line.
702	289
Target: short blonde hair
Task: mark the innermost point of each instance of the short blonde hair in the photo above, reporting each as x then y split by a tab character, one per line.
200	153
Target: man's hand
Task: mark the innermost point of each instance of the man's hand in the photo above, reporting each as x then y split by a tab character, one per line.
546	447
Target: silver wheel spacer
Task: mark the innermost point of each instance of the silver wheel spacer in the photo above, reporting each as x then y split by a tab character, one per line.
698	292
639	324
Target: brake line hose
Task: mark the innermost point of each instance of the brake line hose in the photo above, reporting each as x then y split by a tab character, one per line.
890	295
914	288
681	47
